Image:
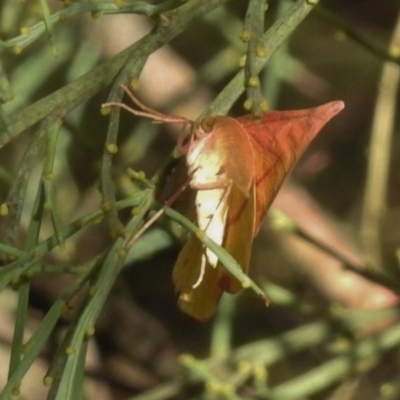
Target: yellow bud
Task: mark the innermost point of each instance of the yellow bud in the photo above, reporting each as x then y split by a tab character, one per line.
112	148
117	232
90	330
95	14
386	390
16	390
134	84
244	366
50	177
394	51
248	104
17	50
253	81
4	210
121	252
70	350
135	211
30	272
264	105
105	206
55	51
245	36
48	380
93	290
200	234
105	110
260	51
340	35
25	30
245	284
185	359
141	175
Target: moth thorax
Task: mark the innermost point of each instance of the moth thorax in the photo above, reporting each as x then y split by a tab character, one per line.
204	163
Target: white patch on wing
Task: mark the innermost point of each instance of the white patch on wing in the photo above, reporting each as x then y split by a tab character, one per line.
204	165
208	178
211	217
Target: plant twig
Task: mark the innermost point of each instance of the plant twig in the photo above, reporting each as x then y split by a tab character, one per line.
367	42
271	41
374	206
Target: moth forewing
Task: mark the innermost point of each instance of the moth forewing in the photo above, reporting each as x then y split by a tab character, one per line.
199	302
211	207
208	177
238	235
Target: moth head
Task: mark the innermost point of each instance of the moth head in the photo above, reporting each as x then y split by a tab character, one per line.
207	123
200	130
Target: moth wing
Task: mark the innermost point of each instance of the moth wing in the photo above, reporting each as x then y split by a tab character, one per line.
238	236
229	149
199	302
270	173
278	141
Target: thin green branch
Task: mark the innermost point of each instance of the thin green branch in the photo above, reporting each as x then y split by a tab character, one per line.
6	93
48	177
131	71
221	336
85	7
380	146
224	257
24	284
365	41
359	359
16	196
67	363
252	34
271	41
39	338
49	26
28	260
67	98
266	352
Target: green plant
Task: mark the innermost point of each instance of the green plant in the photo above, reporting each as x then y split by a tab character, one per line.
52	84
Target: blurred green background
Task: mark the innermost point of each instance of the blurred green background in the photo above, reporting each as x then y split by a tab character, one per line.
327	255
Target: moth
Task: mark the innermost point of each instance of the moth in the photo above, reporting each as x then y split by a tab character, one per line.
236	167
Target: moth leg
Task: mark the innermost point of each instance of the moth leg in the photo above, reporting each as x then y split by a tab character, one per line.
205	258
158	214
202	271
212	206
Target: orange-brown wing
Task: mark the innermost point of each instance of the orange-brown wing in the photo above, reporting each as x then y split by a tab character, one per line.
225	151
238	235
278	141
199	302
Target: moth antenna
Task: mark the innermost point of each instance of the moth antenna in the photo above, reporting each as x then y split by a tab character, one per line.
202	271
149	110
146	112
155	118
